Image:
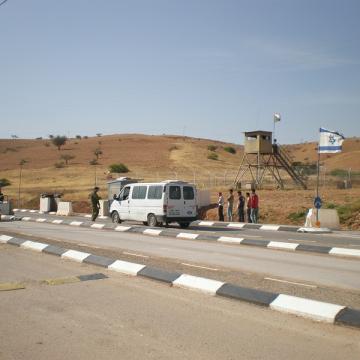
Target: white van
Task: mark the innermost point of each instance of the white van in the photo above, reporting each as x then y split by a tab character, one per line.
156	203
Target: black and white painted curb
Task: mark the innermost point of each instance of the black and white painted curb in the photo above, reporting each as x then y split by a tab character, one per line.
266	227
223	224
267	244
316	310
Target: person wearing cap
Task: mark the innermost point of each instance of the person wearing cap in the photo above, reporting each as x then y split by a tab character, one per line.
95	204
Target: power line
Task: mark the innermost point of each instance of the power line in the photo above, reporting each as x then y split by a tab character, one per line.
3	2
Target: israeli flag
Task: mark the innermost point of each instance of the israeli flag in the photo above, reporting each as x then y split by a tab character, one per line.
277	117
330	141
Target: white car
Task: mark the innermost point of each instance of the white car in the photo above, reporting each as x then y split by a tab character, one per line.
156	203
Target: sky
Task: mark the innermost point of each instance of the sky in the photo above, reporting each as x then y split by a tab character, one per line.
201	68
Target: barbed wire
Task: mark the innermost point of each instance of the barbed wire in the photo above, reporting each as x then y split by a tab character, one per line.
3	2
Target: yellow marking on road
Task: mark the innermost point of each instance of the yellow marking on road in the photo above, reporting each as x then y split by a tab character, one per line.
291	282
200	267
11	286
61	281
133	254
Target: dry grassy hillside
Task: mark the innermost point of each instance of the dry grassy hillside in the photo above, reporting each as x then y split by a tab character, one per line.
152	158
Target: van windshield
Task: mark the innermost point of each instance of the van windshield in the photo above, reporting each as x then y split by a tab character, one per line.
188	193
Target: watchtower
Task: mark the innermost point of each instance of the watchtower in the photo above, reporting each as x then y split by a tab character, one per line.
263	155
258	142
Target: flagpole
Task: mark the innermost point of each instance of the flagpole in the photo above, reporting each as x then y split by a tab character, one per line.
317	183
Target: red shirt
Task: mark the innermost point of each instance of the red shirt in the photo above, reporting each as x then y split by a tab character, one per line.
254	200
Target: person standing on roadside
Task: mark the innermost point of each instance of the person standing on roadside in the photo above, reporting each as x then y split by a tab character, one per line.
95	203
221	207
2	197
248	207
230	205
241	206
254	199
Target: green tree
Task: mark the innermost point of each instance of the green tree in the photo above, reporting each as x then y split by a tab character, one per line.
4	182
59	141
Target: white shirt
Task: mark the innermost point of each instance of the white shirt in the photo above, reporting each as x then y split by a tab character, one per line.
221	201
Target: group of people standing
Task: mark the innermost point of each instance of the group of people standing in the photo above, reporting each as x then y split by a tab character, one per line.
248	206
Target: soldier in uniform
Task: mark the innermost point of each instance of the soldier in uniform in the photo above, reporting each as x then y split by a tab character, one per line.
95	204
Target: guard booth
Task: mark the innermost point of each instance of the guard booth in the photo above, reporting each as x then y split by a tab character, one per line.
258	142
115	186
49	202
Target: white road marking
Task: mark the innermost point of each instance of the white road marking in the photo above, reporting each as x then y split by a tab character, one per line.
307	241
291	282
40	220
26	218
200	267
253	236
133	254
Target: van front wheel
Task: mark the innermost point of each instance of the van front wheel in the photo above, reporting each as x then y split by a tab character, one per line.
152	222
115	217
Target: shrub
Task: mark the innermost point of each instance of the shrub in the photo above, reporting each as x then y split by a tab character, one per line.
86	137
339	172
59	165
59	141
118	168
297	216
9	149
230	149
213	156
212	147
4	182
174	147
67	158
98	134
39	138
78	137
93	162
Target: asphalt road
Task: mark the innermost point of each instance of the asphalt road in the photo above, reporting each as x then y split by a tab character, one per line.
132	318
318	269
336	239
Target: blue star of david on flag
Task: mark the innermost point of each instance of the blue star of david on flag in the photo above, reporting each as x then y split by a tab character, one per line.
330	141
